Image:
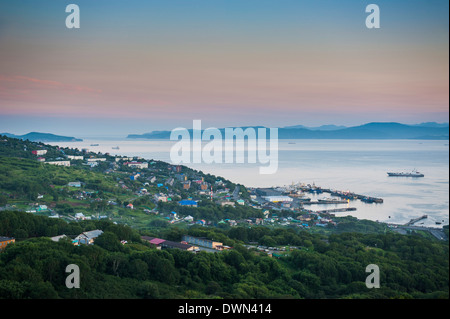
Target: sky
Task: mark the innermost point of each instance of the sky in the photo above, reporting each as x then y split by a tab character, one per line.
138	66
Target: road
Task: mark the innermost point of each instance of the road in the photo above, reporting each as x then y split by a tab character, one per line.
236	192
436	232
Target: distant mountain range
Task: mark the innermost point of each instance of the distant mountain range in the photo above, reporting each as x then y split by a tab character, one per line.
43	137
381	130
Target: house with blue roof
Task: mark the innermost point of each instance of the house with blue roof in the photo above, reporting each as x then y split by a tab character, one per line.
188	202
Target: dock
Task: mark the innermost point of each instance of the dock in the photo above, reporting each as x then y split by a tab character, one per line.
325	202
415	220
336	210
343	195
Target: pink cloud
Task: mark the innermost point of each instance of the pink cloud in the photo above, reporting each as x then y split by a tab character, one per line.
19	82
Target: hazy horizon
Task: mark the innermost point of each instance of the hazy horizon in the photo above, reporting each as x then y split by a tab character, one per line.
98	134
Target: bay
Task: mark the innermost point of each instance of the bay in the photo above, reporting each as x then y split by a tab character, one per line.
359	166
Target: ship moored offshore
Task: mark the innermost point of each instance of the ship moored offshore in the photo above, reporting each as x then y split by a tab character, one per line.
403	174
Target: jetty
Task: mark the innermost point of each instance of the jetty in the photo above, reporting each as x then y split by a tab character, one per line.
325	202
344	195
415	220
336	210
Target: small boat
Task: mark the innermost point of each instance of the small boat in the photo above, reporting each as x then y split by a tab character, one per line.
116	148
94	144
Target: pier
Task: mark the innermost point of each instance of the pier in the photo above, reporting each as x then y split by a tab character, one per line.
415	220
336	210
325	202
343	195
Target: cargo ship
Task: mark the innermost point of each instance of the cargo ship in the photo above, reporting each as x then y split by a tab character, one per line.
410	174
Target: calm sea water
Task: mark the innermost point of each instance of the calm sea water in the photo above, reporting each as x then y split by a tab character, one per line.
359	166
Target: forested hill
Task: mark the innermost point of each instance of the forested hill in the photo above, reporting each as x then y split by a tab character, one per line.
43	137
333	267
374	130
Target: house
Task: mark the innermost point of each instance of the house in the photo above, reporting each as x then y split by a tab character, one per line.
87	238
204	186
90	160
74	184
187	185
161	198
75	157
136	164
189	218
304	218
188	203
276	199
135	177
162	243
232	222
80	216
173	215
5	241
227	203
259	221
321	224
222	247
41	159
201	241
39	152
118	159
41	208
201	222
130	206
60	163
181	177
241	202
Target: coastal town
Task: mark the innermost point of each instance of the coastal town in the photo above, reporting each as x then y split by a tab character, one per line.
143	192
157	183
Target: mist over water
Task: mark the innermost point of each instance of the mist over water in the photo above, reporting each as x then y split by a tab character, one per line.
359	166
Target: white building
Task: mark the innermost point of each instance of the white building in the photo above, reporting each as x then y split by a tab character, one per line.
161	198
59	163
79	216
88	237
136	164
118	159
275	199
75	157
39	152
90	160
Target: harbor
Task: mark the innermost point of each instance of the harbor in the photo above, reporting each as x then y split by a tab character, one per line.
344	195
301	197
336	210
